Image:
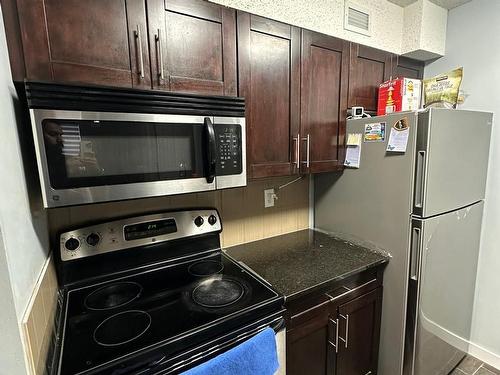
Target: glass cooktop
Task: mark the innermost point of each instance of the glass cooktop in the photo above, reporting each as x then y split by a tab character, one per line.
187	302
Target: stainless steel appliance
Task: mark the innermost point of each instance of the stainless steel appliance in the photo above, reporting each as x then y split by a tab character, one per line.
96	144
424	206
154	294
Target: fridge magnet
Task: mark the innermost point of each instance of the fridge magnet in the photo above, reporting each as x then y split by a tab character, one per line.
375	132
398	137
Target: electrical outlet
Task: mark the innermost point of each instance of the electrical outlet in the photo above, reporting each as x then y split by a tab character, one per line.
269	197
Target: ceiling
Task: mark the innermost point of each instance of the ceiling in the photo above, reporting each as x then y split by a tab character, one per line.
447	4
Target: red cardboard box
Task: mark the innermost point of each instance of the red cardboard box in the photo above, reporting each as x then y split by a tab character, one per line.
400	94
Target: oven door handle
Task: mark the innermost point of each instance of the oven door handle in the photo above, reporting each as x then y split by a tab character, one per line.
211	159
276	324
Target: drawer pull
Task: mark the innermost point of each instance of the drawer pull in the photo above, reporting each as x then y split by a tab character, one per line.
332	298
309	310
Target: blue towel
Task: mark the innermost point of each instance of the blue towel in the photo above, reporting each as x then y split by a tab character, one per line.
255	356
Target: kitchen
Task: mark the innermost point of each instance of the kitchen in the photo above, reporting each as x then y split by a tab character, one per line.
180	63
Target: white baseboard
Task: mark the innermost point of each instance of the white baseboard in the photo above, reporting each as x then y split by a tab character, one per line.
484	355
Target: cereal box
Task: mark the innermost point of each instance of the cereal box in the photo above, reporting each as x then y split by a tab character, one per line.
400	94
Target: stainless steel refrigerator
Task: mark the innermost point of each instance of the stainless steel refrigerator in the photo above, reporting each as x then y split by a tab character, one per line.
424	206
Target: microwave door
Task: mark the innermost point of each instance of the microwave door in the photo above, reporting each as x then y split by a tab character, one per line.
210	150
88	157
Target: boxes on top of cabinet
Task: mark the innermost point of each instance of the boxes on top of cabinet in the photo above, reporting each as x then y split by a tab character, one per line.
400	94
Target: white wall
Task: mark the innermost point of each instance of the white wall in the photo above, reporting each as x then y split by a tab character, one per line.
473	37
23	221
424	30
12	353
327	16
417	30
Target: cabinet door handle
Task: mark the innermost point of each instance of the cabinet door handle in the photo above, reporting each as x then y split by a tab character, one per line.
297	150
161	72
346	339
137	34
336	345
308	149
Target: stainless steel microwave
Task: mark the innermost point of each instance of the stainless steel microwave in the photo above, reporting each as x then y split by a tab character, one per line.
97	144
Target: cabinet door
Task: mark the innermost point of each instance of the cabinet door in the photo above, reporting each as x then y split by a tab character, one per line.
325	67
368	69
408	68
309	343
93	41
359	333
269	79
193	46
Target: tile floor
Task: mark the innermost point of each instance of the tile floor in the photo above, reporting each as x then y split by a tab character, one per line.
473	366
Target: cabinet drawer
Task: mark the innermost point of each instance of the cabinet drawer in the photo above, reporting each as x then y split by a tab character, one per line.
313	304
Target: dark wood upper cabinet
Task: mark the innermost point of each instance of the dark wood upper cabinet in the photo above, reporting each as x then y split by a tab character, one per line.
405	67
93	41
269	80
192	46
324	83
359	326
368	69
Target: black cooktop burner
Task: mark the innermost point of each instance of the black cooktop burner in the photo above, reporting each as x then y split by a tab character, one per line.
205	268
122	328
113	295
218	292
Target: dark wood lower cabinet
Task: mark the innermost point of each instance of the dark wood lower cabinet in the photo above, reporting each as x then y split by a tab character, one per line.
359	326
307	343
336	336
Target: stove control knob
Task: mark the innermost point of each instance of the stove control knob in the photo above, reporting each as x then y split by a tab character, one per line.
72	244
93	239
212	219
198	221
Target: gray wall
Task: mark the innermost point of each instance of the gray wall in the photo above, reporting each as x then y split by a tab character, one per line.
23	220
473	37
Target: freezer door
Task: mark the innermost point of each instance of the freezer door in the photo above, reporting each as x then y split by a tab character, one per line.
451	160
444	256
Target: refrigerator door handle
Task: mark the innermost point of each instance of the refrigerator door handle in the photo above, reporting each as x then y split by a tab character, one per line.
416	241
420	179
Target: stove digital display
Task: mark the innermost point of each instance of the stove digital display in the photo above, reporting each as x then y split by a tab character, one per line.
149	229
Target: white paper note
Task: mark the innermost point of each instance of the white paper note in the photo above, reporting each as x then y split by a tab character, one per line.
352	156
398	138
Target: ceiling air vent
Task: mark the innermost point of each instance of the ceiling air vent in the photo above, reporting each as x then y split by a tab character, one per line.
357	19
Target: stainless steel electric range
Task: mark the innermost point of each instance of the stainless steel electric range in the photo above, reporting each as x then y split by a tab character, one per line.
155	295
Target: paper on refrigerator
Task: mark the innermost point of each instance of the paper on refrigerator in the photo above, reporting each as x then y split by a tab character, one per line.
353	150
398	137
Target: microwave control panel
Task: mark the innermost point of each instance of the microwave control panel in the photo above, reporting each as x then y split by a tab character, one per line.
229	149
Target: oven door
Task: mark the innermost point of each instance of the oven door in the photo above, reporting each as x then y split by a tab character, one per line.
87	157
158	363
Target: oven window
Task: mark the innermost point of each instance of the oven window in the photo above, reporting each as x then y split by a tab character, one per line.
84	153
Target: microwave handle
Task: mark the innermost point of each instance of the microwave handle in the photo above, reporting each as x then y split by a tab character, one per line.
211	159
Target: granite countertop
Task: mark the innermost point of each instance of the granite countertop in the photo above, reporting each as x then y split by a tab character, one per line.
299	262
